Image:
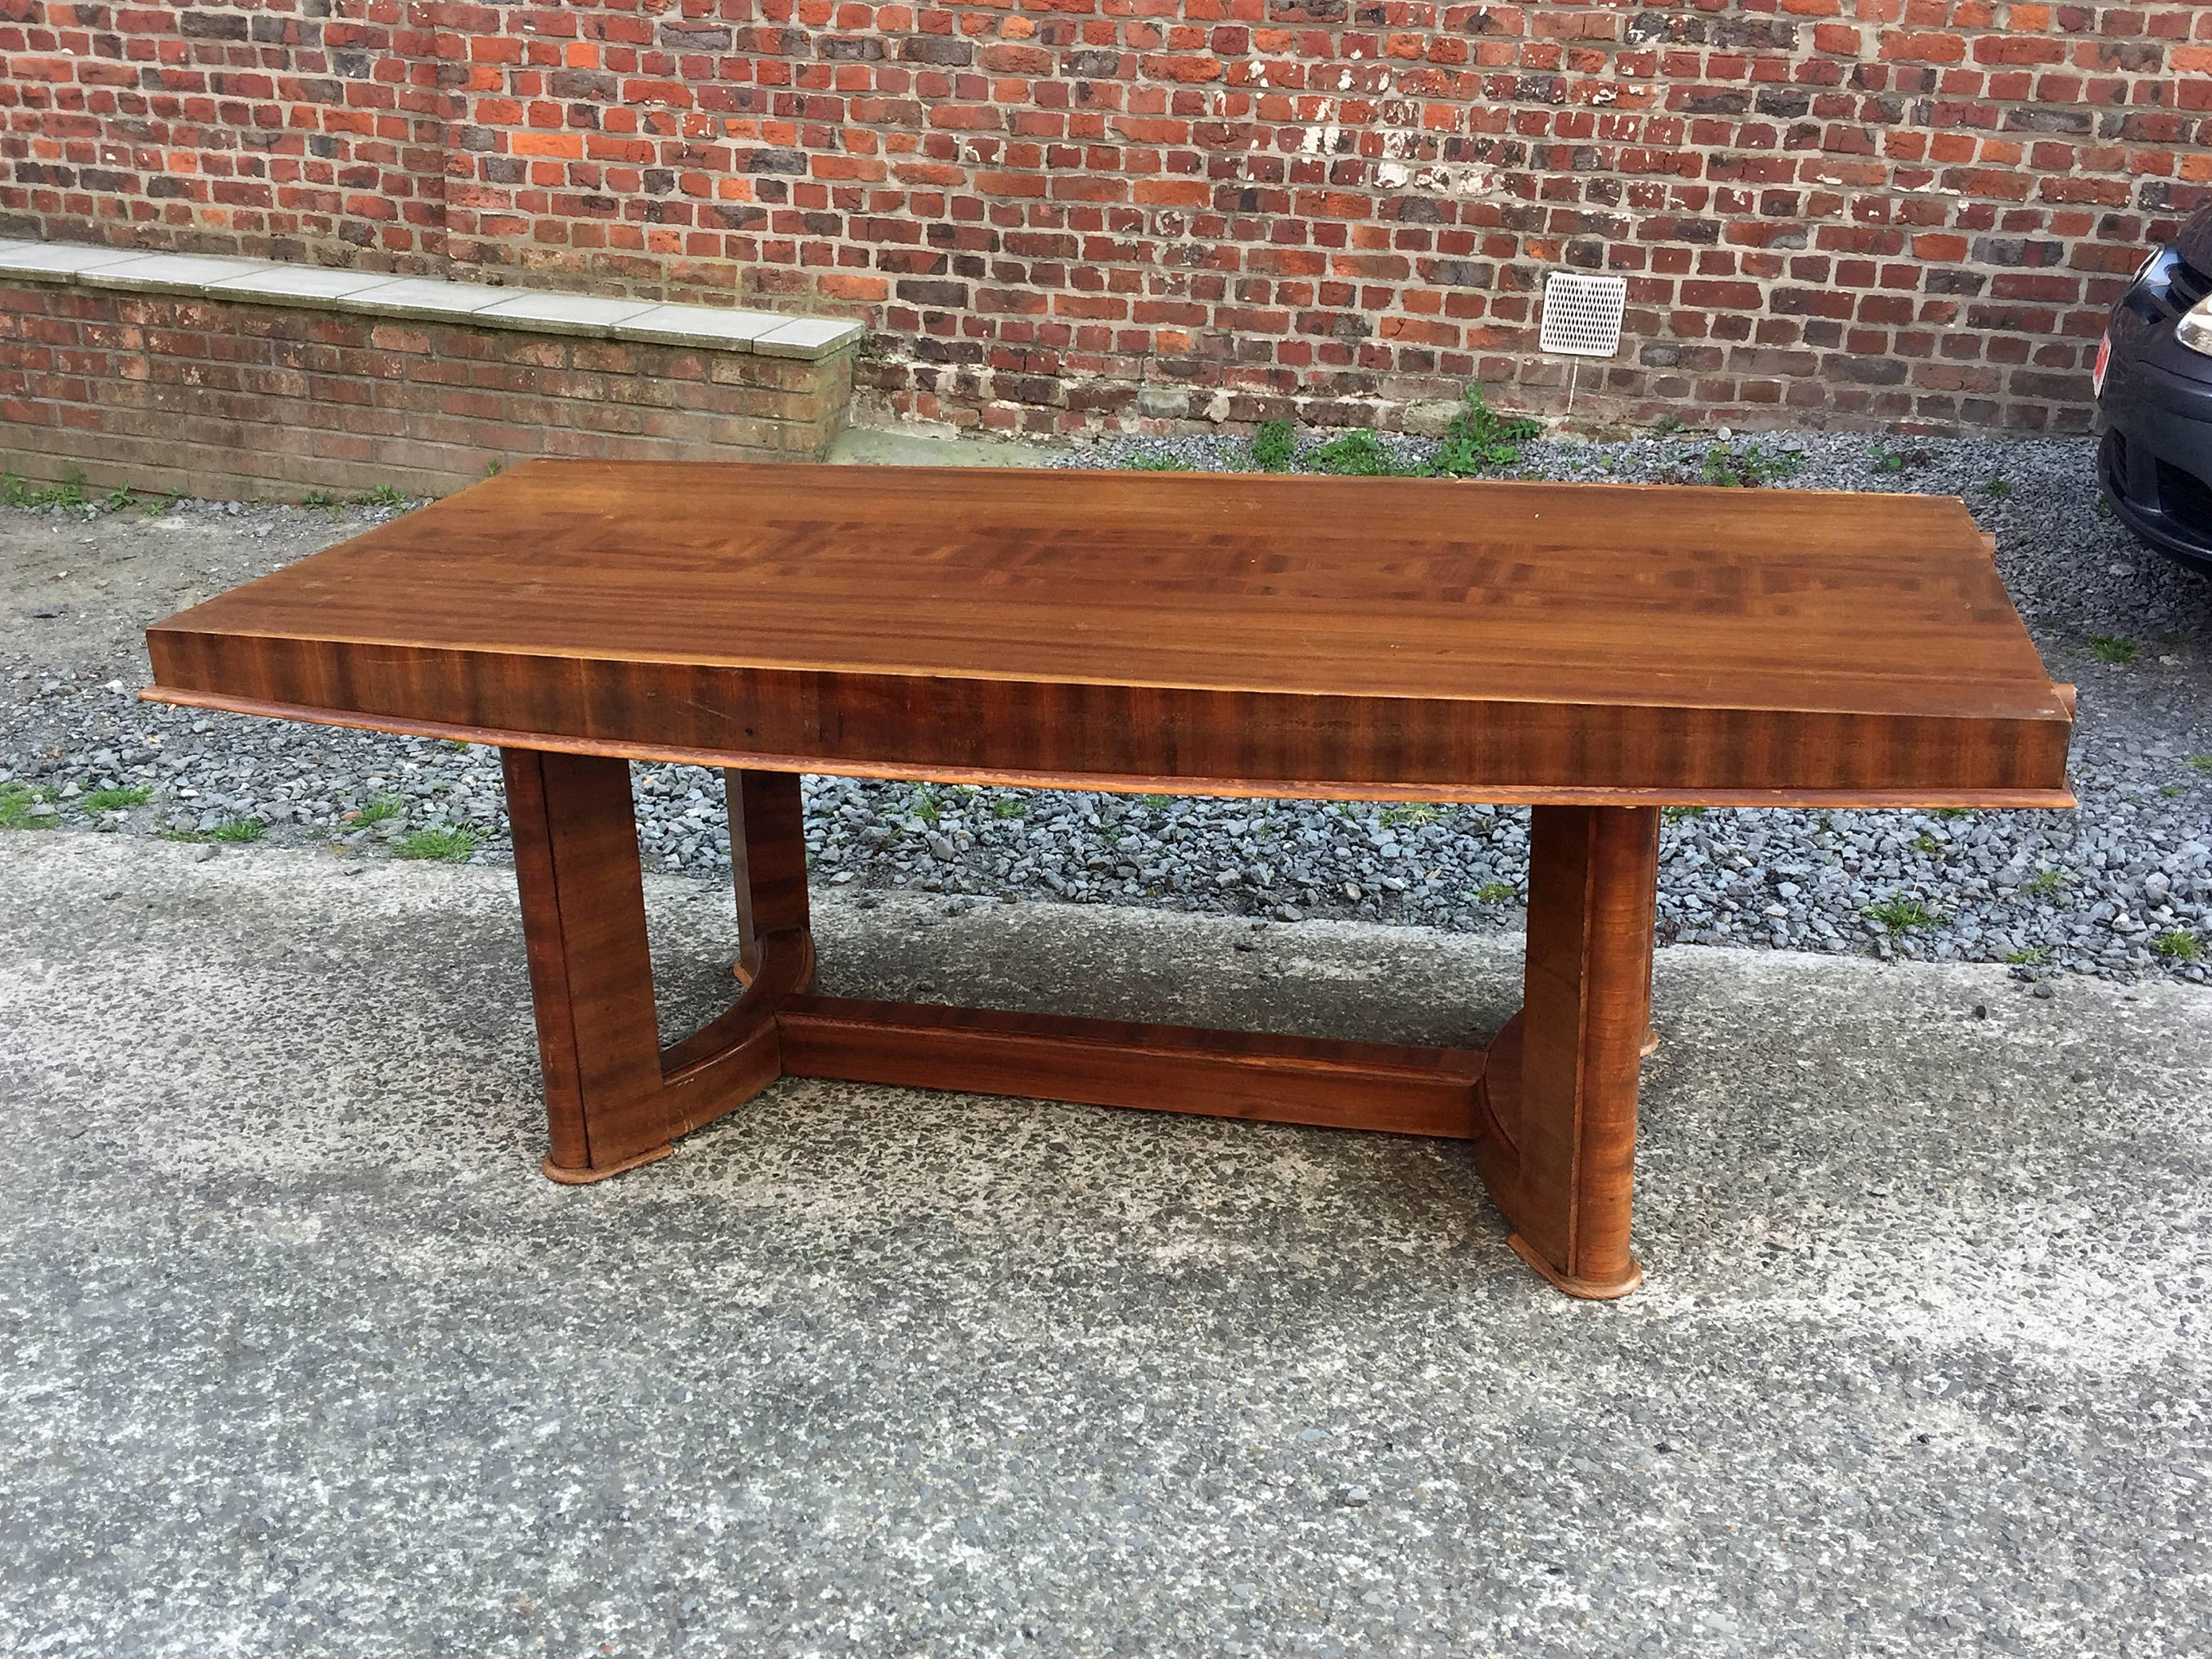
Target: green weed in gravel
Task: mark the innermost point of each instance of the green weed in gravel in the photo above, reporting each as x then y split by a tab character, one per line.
382	495
1274	446
2110	647
1156	463
235	829
1006	806
381	809
2202	763
447	843
1899	913
114	800
2178	945
923	804
1495	892
16	800
2027	956
1354	455
1411	812
1480	440
1748	468
1997	485
21	492
2043	882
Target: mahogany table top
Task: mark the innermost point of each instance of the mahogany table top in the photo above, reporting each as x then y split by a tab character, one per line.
1246	634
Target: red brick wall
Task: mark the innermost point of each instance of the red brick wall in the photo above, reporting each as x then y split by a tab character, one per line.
1062	213
216	398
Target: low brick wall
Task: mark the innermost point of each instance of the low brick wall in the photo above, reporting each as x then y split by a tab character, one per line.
211	397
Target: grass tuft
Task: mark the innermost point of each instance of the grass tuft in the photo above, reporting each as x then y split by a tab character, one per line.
1411	812
114	800
2178	945
2027	956
1899	913
447	843
16	800
2110	647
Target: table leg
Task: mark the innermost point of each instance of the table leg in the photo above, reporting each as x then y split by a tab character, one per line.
1560	1089
591	970
768	861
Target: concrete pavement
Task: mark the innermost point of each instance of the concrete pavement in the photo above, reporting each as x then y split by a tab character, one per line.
298	1352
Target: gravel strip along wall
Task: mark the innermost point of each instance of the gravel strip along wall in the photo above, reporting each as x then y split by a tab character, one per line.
238	376
2122	887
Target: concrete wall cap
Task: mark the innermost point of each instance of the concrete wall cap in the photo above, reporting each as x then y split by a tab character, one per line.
429	299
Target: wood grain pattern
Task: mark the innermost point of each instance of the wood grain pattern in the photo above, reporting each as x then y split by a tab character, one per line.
1560	1092
768	859
591	969
1551	1107
1238	634
1166	1068
615	1099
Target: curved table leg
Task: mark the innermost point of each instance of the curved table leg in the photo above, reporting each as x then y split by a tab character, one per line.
614	1100
1558	1091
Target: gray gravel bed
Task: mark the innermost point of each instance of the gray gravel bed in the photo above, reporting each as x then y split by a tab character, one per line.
2121	888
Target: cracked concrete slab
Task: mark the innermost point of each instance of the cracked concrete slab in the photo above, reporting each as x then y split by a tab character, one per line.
300	1354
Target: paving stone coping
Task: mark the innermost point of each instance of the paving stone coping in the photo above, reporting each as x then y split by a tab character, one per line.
380	294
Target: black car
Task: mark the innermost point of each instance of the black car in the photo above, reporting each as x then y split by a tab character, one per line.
2153	383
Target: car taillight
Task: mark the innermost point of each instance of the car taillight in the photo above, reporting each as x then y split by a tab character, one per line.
2104	363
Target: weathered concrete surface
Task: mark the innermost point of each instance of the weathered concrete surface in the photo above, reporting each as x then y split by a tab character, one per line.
298	1353
882	445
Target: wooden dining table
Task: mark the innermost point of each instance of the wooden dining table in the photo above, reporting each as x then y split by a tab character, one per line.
1595	653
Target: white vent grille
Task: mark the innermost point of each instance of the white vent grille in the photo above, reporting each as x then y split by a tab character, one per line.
1582	314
